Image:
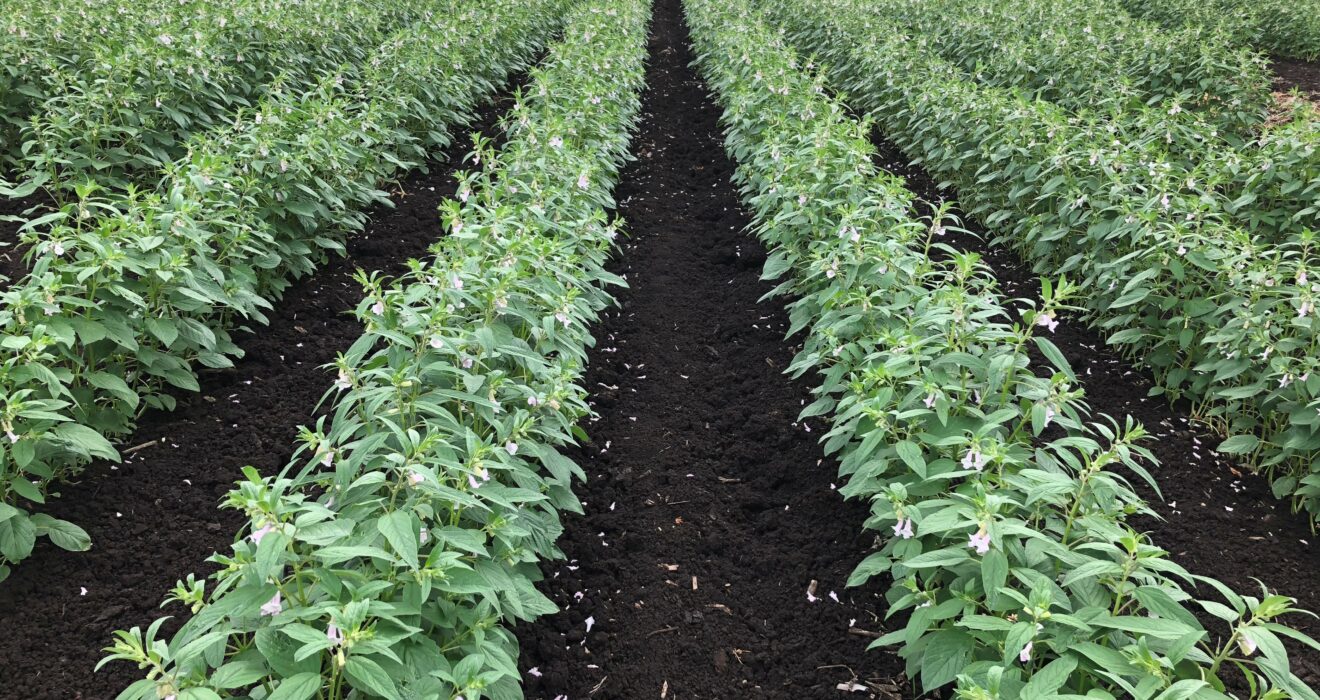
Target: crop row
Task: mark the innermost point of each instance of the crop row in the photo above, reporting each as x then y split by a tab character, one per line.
1089	55
1207	143
1222	314
386	558
127	300
114	108
1005	517
1280	27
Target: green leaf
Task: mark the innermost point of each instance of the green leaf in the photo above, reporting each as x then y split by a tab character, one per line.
238	674
944	657
940	557
164	330
62	533
87	440
1239	444
994	573
299	687
1049	679
366	675
1056	358
911	455
17	536
399	531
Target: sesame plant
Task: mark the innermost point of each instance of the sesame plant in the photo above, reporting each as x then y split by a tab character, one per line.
129	298
387	558
1089	55
1274	26
1002	501
1222	315
114	108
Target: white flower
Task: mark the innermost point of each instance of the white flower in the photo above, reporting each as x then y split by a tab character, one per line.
261	532
437	342
328	458
556	142
344	381
1247	645
583	182
272	606
511	447
415	478
974	460
1047	321
378	308
591	622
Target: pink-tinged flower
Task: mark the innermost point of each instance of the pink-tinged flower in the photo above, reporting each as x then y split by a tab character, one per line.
591	622
556	142
1305	309
1164	201
1025	655
467	363
472	481
328	459
1301	277
562	318
261	532
343	381
1287	379
1182	250
423	535
1246	644
415	478
980	541
272	606
904	529
457	226
511	447
533	401
974	460
534	672
378	308
457	281
583	181
334	634
1047	321
464	195
437	342
930	400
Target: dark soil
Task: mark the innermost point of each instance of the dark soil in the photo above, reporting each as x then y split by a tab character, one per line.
1292	73
709	511
154	518
12	267
1218	519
